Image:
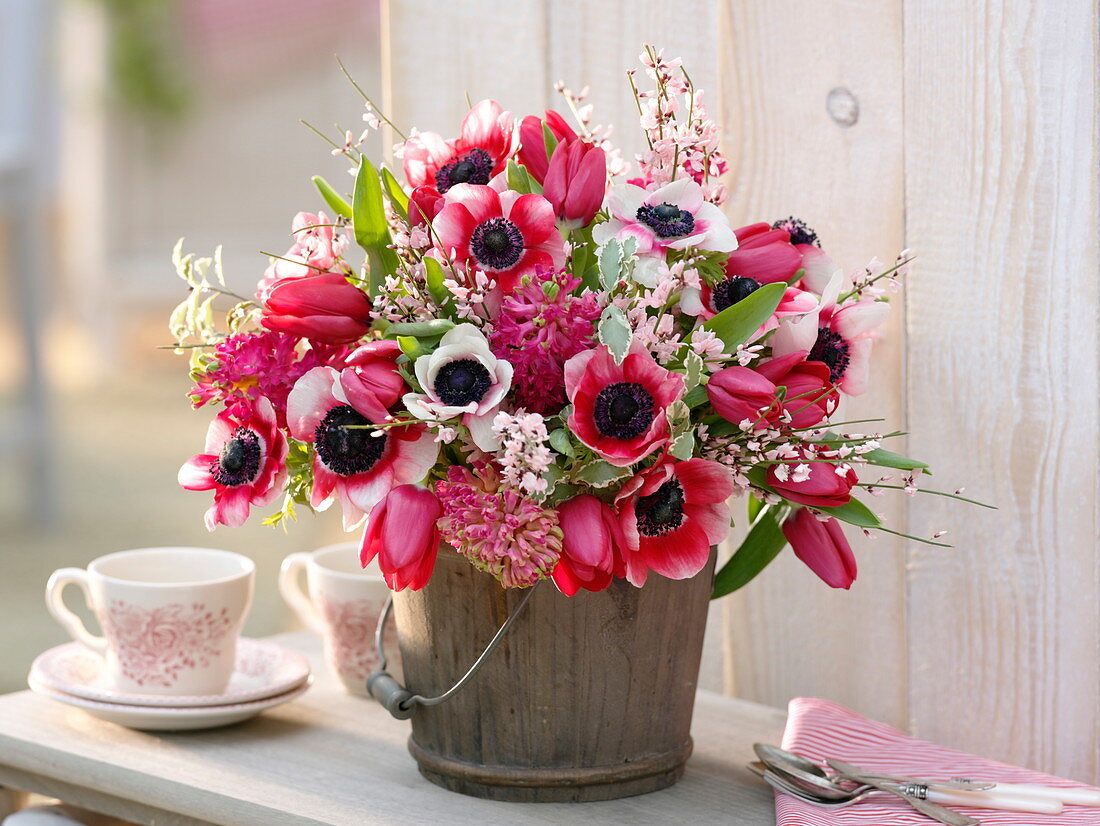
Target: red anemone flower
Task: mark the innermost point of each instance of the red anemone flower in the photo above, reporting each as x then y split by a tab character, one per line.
244	462
506	234
671	514
619	409
349	459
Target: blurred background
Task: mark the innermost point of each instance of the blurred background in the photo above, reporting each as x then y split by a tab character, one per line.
124	125
967	132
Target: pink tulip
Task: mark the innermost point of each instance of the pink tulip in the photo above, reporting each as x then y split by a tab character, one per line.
532	141
822	546
811	397
576	182
763	254
371	380
822	488
401	531
325	308
589	547
739	393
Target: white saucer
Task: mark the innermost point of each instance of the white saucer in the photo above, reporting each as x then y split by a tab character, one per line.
170	719
263	670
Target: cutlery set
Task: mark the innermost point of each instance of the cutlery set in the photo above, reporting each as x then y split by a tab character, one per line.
848	785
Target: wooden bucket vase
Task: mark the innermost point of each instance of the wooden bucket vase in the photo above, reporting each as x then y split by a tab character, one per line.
587	698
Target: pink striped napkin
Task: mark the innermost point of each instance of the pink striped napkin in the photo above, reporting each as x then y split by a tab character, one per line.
818	729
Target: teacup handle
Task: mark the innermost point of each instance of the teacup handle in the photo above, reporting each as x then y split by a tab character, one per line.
290	586
70	621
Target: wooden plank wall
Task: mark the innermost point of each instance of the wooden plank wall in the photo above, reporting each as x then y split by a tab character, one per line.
975	144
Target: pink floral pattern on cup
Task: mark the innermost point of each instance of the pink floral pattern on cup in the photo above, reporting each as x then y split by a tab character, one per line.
351	626
154	646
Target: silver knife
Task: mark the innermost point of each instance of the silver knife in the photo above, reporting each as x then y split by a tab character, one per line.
932	810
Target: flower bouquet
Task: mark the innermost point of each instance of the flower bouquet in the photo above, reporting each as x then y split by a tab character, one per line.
546	365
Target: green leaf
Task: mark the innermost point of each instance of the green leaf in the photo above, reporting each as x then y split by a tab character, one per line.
600	474
762	544
753	506
854	513
368	209
420	329
520	180
696	396
684	446
410	346
614	332
735	324
887	458
433	273
560	441
549	139
398	199
332	197
382	262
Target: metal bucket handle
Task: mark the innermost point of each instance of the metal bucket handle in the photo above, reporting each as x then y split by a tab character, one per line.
398	700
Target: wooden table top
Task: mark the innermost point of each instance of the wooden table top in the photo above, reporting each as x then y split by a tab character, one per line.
335	759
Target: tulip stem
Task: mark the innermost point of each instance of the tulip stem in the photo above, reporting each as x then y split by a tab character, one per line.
320	134
933	493
914	538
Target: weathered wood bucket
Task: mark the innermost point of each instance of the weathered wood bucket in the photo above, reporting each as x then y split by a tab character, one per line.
587	698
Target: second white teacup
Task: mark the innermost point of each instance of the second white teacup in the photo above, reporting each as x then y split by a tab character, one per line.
342	605
170	616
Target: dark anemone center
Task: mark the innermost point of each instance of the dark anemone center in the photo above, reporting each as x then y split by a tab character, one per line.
729	292
831	349
662	511
344	442
623	410
497	243
798	230
238	463
474	167
666	220
462	381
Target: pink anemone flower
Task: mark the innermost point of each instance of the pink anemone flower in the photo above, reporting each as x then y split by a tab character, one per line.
244	463
349	460
487	138
619	409
840	336
671	514
676	216
505	234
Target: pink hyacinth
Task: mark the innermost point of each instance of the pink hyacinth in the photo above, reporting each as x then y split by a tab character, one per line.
498	530
540	327
248	366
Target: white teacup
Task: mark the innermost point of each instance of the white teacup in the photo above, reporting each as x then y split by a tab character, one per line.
170	616
342	605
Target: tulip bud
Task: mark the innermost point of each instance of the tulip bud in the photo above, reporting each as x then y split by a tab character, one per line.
819	487
402	533
590	540
424	204
576	181
532	141
324	308
738	393
822	546
810	396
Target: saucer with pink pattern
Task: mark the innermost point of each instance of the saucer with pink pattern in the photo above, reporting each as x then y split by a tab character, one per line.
264	669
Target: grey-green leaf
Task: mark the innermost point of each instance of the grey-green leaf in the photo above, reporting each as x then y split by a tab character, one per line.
615	333
600	474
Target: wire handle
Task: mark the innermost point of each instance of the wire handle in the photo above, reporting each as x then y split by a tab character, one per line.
398	700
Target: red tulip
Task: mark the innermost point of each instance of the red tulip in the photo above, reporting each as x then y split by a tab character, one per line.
739	393
811	396
763	254
590	541
402	532
424	204
532	141
822	488
325	308
822	546
576	182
